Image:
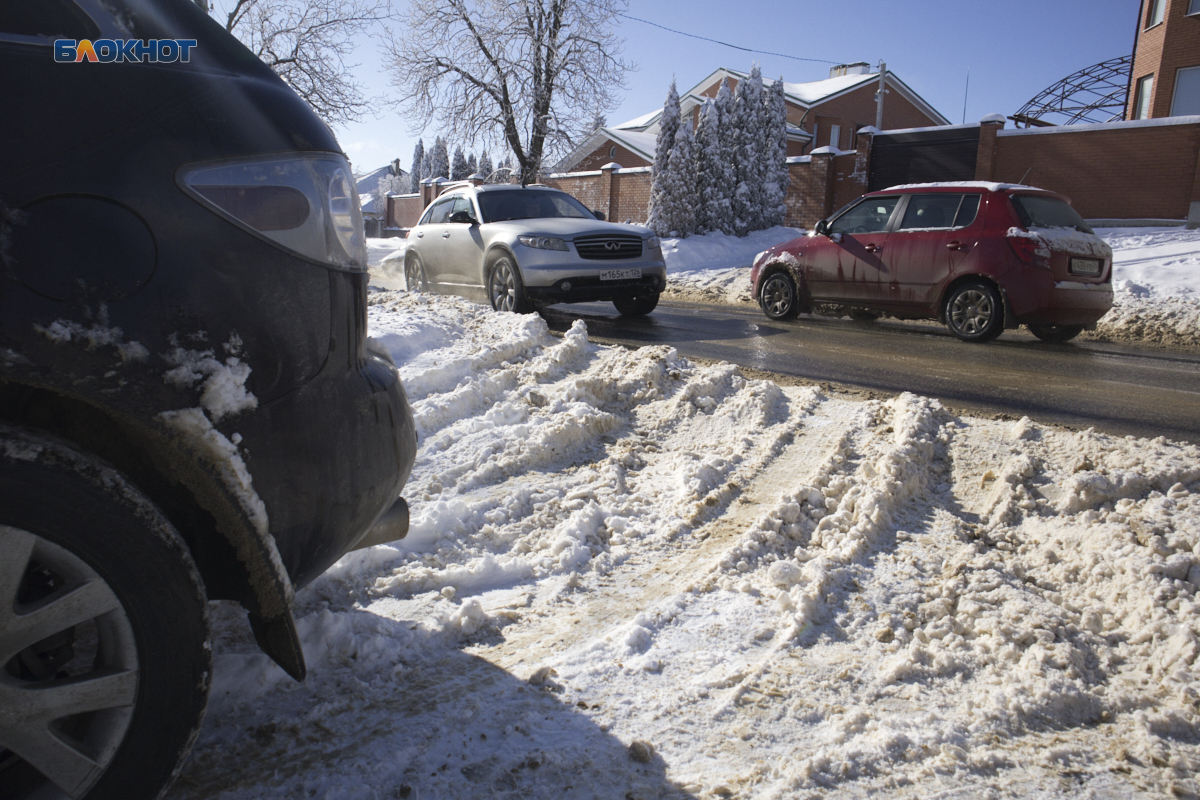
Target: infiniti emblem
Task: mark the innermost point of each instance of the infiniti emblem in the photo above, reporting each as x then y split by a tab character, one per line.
612	245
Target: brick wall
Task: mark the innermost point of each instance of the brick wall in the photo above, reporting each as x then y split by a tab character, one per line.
808	192
1126	170
585	187
403	211
622	194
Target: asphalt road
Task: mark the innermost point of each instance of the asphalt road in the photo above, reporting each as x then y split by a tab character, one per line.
1116	389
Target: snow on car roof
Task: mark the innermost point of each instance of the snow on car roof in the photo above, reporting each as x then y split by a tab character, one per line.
988	185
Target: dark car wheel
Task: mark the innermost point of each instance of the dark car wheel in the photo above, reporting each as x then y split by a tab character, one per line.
505	289
975	312
638	306
1056	333
778	297
103	632
414	274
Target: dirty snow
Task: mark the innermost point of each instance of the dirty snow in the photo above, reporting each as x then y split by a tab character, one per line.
632	576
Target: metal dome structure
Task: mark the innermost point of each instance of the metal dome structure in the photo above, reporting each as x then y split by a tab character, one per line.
1092	95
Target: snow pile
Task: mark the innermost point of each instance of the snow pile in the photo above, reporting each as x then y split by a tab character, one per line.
715	267
632	576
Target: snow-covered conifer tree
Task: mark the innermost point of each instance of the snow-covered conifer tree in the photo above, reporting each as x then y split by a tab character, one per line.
668	126
472	165
418	165
439	160
678	216
713	176
748	108
776	177
728	135
458	168
485	167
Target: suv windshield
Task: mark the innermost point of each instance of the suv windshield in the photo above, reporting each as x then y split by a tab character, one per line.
1038	211
529	204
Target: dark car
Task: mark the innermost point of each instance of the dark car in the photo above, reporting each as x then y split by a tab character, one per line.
979	257
524	247
190	408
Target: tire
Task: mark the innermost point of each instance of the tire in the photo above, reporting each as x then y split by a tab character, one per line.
779	297
118	651
638	306
975	312
1056	333
414	274
506	291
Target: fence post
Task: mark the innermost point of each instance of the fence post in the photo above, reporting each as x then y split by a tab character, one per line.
985	157
608	188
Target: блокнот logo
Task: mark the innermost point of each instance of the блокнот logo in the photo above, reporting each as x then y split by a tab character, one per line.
106	51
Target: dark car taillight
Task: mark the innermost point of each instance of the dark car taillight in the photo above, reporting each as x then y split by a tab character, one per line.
305	203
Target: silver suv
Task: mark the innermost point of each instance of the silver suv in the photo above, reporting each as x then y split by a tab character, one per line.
522	248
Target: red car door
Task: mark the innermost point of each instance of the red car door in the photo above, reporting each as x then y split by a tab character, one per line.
849	264
932	237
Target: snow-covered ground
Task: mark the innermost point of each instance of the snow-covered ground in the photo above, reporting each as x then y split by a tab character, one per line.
631	576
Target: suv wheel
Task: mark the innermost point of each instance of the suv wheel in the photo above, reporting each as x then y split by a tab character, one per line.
1056	333
104	645
975	312
505	289
414	274
638	306
779	297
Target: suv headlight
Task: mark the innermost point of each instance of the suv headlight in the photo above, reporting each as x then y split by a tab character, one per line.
543	242
305	203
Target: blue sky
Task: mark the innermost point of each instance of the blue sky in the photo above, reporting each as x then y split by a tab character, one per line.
1013	49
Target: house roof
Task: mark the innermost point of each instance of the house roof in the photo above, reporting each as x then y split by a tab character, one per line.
368	183
641	144
804	95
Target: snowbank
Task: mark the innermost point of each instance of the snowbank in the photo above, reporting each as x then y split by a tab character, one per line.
632	576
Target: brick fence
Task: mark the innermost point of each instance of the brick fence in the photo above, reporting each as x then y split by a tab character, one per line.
1121	170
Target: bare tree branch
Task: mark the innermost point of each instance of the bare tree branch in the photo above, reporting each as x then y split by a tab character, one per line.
307	43
530	73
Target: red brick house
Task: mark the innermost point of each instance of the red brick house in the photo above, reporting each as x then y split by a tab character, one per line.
1165	79
820	113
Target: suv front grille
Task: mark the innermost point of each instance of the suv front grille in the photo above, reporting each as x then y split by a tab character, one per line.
609	246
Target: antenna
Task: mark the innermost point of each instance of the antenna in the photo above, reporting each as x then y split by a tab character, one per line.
966	91
1026	175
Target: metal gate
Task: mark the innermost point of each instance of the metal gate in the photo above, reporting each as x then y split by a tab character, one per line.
941	154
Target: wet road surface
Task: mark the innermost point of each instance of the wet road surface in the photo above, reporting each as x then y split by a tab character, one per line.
1116	389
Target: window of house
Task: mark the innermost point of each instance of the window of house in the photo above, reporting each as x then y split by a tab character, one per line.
1141	102
1193	7
1186	101
1155	14
612	151
835	135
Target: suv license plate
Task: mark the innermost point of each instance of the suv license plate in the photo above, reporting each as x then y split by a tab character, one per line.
630	274
1084	266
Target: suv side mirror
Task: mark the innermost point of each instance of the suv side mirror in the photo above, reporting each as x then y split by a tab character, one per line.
463	217
598	214
822	228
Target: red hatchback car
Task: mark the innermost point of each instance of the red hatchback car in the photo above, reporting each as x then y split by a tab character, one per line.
980	257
